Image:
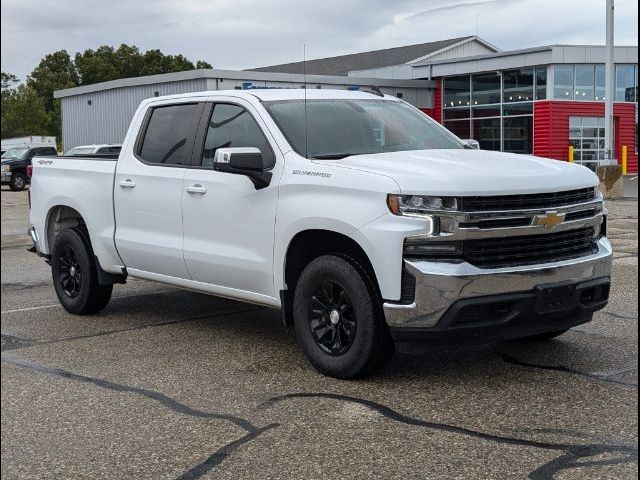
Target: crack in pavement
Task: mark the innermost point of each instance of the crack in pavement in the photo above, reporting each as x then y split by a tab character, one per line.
605	377
569	459
617	315
21	286
217	457
174	405
13	342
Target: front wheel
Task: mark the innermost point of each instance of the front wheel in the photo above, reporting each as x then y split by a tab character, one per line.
338	318
18	182
75	276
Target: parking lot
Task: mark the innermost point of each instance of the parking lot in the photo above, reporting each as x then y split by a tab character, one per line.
167	383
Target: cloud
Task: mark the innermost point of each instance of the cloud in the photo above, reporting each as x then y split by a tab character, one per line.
250	33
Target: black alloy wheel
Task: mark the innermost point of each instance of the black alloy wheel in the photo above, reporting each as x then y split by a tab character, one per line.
331	318
69	272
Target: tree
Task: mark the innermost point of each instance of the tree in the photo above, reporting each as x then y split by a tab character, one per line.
23	113
201	64
55	71
58	70
9	80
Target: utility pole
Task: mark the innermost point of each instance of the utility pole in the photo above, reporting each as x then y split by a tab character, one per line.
609	88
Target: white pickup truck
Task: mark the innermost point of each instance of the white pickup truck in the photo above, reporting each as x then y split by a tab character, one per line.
365	221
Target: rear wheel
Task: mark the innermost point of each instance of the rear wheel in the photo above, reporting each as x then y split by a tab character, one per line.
338	318
18	181
75	277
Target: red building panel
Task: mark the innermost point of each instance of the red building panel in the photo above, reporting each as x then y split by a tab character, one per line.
436	111
551	127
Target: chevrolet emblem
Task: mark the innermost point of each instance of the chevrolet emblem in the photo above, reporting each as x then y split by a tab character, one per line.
549	220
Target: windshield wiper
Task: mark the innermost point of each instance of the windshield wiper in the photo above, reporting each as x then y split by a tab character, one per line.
331	156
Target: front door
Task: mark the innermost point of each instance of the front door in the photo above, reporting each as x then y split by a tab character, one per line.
148	191
228	224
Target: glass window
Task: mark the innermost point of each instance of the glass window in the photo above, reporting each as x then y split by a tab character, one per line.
625	83
541	83
339	128
460	128
485	88
480	112
563	82
166	135
584	82
456	113
487	132
15	153
600	79
518	85
518	109
457	91
518	134
586	135
232	126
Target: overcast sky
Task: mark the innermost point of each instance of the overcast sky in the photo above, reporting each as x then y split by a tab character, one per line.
239	34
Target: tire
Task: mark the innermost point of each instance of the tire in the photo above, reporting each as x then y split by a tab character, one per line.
74	273
541	337
18	182
338	318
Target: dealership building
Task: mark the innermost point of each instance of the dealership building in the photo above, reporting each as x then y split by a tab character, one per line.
539	100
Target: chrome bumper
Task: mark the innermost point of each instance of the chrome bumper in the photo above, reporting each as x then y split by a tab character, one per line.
6	177
439	285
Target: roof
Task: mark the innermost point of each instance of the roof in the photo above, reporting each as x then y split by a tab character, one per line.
524	51
343	64
274	94
244	75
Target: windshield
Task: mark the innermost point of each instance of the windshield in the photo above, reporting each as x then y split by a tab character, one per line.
339	128
81	151
14	153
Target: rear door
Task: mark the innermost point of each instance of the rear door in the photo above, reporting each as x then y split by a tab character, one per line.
148	190
228	224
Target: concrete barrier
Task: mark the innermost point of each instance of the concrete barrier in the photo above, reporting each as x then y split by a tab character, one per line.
611	180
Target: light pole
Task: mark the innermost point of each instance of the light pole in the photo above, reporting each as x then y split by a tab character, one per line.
609	83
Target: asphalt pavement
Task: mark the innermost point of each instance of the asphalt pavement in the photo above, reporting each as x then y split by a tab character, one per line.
167	383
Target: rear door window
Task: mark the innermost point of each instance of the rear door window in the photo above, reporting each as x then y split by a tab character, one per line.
168	133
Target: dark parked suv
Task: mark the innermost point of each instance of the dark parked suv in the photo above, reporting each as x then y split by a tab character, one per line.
15	162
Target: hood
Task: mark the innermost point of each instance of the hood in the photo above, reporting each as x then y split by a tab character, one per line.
9	160
471	172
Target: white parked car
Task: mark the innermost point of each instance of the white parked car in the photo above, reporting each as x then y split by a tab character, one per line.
103	149
362	219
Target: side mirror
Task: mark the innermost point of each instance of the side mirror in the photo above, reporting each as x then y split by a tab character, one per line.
246	161
472	143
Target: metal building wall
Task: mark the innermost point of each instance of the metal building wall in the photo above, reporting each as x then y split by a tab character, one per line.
106	119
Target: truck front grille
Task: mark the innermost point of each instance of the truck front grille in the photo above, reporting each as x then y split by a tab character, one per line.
529	201
530	249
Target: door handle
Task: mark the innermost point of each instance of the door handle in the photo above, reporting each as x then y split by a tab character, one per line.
127	183
197	188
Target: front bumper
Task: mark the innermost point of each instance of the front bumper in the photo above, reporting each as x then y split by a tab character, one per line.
6	177
440	285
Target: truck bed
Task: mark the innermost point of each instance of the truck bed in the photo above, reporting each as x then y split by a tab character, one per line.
84	184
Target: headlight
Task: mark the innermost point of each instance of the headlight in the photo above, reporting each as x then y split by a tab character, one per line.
420	205
6	168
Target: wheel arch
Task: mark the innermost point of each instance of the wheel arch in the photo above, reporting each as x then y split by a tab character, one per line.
308	244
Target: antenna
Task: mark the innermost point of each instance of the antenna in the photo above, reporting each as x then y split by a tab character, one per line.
304	74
